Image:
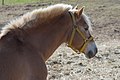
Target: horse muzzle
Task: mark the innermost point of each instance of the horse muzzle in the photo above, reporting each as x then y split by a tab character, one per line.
91	50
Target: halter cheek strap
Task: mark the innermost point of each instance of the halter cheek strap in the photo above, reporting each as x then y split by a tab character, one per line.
76	29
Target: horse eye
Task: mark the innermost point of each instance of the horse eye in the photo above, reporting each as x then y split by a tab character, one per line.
86	28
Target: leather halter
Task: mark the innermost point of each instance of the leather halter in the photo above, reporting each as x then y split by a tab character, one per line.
76	29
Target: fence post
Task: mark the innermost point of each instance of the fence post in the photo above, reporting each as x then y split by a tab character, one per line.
2	2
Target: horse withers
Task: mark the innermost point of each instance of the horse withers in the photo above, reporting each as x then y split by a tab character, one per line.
27	42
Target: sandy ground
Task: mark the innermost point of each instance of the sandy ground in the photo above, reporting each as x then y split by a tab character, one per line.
65	64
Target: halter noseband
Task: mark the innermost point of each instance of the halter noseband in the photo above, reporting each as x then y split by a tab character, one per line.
75	28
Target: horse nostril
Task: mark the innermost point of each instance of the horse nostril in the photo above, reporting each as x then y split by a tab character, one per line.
90	54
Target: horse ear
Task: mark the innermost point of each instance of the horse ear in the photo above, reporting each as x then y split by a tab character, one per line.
79	12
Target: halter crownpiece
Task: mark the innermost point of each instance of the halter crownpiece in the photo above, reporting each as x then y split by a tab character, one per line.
75	28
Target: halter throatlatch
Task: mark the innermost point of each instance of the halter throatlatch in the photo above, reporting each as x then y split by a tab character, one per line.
75	28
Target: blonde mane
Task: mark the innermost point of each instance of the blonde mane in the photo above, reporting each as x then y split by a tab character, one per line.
87	20
43	14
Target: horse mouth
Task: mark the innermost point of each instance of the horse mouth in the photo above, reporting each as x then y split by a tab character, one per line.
89	56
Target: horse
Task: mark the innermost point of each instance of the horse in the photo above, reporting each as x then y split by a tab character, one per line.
28	41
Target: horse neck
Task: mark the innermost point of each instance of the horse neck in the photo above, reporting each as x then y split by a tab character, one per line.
48	37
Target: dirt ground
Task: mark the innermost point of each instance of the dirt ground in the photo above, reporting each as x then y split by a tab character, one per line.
65	64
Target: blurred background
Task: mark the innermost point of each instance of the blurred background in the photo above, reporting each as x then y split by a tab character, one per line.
65	64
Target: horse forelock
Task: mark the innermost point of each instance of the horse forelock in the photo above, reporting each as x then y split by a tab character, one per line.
42	14
87	20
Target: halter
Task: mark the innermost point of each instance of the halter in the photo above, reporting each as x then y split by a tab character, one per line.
75	28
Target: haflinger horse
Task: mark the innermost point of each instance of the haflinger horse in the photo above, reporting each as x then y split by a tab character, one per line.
28	41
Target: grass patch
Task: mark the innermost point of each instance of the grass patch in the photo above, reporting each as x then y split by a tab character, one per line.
12	2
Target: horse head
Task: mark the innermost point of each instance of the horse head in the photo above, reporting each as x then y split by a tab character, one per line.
81	40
